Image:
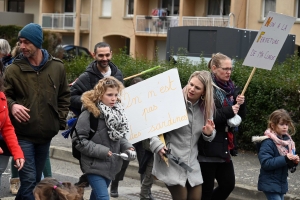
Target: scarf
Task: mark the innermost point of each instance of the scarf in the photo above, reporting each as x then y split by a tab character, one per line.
115	120
224	92
283	146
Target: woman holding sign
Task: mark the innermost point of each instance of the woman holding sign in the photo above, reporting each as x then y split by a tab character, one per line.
214	156
183	175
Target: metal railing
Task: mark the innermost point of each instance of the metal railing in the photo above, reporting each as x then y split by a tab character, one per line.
205	21
155	24
64	21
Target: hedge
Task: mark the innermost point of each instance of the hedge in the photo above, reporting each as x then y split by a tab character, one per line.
269	89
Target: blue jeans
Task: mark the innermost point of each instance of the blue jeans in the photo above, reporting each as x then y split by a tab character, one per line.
31	173
99	186
274	196
3	165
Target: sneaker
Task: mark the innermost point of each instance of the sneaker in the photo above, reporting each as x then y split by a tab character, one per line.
14	185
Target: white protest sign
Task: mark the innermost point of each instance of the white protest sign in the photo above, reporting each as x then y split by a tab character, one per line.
154	106
269	41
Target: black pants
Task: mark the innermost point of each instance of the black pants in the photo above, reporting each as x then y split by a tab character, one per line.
223	173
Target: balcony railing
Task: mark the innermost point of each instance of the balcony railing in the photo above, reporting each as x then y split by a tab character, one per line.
205	21
155	24
64	21
160	25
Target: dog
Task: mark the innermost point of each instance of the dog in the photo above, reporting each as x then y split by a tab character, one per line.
51	189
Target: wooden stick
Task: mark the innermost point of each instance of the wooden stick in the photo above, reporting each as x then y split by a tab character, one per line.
129	77
248	81
161	137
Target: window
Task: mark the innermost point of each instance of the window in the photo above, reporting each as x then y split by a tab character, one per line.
106	8
297	7
218	7
16	6
129	8
70	6
171	6
268	5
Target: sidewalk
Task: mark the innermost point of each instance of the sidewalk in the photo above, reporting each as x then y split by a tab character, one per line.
246	167
246	170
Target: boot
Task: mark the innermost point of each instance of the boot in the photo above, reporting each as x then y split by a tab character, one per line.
114	188
14	185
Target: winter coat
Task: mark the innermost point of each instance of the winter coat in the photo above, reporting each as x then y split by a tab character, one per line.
218	148
274	169
87	80
44	92
94	152
183	144
7	130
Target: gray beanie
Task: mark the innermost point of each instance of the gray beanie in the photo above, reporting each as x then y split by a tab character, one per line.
33	33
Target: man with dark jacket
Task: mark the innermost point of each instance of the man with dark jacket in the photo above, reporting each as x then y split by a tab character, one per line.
96	70
38	97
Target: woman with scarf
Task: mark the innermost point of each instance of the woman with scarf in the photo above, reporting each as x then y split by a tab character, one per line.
98	155
277	154
181	143
214	156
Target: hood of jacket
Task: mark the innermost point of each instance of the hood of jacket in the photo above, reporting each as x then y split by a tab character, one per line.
92	68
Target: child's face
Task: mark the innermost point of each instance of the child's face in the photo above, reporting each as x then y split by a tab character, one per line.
110	96
281	128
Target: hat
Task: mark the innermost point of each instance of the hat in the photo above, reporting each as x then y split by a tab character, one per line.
33	33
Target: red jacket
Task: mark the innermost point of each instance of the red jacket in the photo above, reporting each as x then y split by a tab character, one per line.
8	131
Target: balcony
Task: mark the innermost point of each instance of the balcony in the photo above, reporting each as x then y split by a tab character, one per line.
155	24
205	21
159	25
64	21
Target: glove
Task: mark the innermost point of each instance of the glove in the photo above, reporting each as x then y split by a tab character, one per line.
131	155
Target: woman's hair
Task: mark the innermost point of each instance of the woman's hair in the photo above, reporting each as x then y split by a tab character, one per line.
278	116
216	60
136	80
16	50
4	47
1	76
206	80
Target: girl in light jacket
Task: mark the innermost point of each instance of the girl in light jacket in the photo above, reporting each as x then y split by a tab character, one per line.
97	158
183	184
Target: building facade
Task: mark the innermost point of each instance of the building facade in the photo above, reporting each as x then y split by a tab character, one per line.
140	25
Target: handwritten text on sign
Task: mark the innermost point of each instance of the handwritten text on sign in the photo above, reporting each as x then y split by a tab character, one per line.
269	41
154	106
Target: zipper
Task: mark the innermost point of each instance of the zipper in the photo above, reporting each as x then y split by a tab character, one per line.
52	81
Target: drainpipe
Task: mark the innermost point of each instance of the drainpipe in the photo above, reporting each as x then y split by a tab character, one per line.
77	23
91	19
247	14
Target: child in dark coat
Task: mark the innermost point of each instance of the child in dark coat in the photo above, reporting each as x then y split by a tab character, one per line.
276	155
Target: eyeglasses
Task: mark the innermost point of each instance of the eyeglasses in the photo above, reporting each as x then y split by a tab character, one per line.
102	55
227	69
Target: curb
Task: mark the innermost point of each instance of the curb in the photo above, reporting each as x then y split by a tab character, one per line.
240	192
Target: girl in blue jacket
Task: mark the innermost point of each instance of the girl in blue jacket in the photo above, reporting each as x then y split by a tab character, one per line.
276	155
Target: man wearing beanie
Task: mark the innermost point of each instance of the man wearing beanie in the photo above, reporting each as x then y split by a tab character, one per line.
38	97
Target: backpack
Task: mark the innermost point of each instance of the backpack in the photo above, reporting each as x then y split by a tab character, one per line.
93	128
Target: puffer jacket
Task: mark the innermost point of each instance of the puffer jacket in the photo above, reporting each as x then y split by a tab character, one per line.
94	152
7	132
87	80
219	146
274	169
44	92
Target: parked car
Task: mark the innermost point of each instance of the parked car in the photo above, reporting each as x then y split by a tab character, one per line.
70	51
